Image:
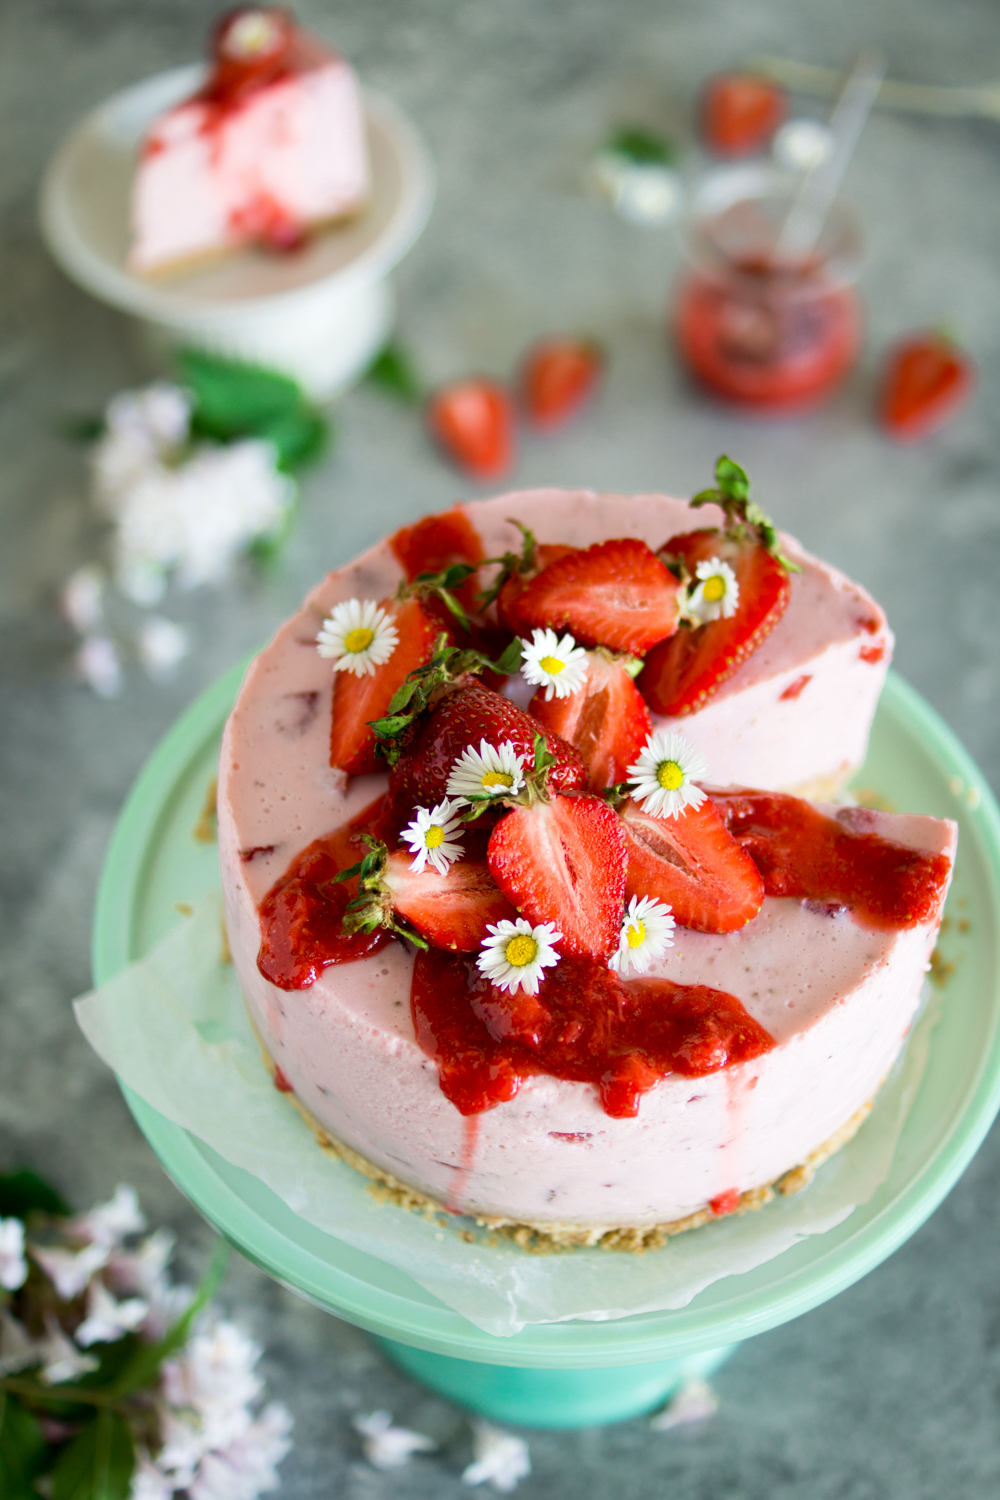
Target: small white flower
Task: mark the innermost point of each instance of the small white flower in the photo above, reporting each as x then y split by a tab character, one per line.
388	1447
161	644
99	664
357	637
142	1272
717	592
490	771
559	666
663	776
82	598
501	1459
13	1266
110	1223
61	1358
18	1349
215	1373
107	1319
515	953
247	1465
149	1482
694	1402
645	936
431	837
70	1270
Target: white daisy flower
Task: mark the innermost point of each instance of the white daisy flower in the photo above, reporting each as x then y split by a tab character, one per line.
490	771
357	637
663	776
515	953
431	837
646	931
559	666
717	593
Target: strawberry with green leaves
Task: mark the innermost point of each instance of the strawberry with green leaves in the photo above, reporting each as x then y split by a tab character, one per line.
736	587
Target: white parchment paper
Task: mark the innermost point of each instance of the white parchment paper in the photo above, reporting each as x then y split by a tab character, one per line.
174	1028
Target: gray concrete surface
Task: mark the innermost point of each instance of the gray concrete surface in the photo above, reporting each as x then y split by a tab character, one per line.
892	1389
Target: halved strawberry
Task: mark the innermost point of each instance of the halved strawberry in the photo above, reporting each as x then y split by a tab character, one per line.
517	581
740	113
358	700
927	378
693	863
434	543
617	594
473	421
681	674
465	717
563	861
606	720
558	378
452	910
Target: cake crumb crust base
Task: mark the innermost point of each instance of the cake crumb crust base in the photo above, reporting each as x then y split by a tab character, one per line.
547	1238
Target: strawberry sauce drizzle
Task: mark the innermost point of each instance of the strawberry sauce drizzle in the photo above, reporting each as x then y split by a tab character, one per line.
470	1139
804	854
585	1024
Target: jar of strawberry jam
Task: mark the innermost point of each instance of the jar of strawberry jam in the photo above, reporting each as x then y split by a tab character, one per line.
771	330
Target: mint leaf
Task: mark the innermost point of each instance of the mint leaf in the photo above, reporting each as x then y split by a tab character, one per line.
23	1450
98	1464
23	1192
234	400
394	372
642	146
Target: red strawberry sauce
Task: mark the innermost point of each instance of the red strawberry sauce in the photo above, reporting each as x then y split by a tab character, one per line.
584	1024
802	853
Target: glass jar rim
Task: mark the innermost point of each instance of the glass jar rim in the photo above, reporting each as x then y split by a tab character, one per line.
733	219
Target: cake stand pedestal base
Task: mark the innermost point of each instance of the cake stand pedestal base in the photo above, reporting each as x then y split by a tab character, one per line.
554	1398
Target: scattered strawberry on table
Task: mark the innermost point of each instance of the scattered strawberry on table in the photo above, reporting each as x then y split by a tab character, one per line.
740	113
473	421
558	378
927	379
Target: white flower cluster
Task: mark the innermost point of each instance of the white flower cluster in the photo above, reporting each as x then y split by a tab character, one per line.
174	508
213	1445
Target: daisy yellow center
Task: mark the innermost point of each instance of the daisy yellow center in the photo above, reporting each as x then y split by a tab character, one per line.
520	950
635	934
552	665
497	778
434	836
358	640
670	776
715	588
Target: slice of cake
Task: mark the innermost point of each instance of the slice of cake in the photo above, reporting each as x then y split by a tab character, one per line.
271	146
517	960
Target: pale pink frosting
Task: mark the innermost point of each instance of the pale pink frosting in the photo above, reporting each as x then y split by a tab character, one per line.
837	997
297	144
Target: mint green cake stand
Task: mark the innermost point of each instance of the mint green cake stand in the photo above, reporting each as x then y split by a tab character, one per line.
577	1373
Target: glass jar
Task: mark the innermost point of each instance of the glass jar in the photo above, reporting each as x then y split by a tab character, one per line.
770	332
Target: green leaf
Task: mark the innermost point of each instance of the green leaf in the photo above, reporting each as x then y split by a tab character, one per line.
142	1368
23	1450
80	429
642	146
23	1192
234	400
394	372
510	661
98	1464
300	437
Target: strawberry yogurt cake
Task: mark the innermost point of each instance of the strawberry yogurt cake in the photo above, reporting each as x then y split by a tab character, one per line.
271	146
527	907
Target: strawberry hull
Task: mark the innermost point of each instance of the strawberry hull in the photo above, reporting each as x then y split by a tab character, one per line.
836	997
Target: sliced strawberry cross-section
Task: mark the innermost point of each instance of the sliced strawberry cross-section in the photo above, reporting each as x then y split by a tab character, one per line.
682	673
563	861
357	699
927	379
606	720
616	594
452	910
694	865
558	378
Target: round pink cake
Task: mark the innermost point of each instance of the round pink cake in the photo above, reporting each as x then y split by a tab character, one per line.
837	997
